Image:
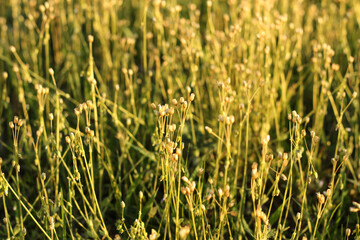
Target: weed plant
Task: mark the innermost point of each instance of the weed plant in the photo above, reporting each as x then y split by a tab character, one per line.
154	119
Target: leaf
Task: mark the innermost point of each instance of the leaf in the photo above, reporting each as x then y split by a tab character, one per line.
247	228
275	216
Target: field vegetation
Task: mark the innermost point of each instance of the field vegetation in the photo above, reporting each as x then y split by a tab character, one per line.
179	119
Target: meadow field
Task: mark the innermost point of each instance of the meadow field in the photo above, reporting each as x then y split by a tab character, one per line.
180	119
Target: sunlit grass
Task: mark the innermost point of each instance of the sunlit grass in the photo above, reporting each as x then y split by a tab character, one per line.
182	119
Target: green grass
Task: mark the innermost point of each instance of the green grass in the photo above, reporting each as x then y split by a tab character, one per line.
182	119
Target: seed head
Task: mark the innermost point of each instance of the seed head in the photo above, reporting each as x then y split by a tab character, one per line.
89	104
184	232
5	75
354	95
283	177
153	106
348	232
312	133
12	49
77	111
203	208
51	71
91	38
208	129
335	67
185	179
175	102
321	198
289	116
303	132
220	192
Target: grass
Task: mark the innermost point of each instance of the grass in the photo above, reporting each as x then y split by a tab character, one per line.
179	119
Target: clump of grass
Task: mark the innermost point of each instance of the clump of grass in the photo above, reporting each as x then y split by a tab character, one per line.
179	119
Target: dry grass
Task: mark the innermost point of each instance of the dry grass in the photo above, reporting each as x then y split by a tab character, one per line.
182	119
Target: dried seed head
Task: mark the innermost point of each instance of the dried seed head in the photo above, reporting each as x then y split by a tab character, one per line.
122	204
51	116
220	192
354	95
192	186
335	67
285	157
208	129
192	97
183	190
38	133
312	133
203	208
77	111
128	121
221	118
5	75
171	111
328	192
51	71
175	102
354	209
348	232
175	157
321	198
172	127
52	223
89	104
185	179
12	49
303	132
91	38
11	124
16	120
67	139
184	105
178	151
153	106
283	177
141	195
184	232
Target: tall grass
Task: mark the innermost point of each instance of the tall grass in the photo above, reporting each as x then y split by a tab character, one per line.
182	119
